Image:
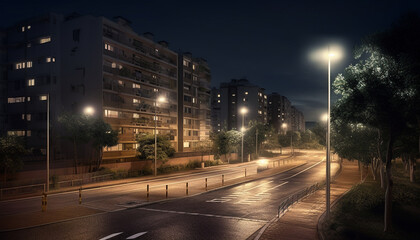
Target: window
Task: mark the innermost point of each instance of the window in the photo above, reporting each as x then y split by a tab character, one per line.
186	144
31	82
246	93
120	82
76	35
28	133
187	98
111	114
43	97
186	63
28	27
244	99
136	115
44	40
218	95
16	100
23	29
49	59
135	85
117	147
18	133
195	78
20	65
194	100
259	112
233	94
109	47
193	66
113	65
28	64
187	110
135	100
23	116
218	101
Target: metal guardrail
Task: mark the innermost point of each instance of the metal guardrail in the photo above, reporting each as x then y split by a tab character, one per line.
22	190
296	197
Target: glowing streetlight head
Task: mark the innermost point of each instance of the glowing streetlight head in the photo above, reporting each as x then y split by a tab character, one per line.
89	110
324	117
244	110
328	52
243	129
161	99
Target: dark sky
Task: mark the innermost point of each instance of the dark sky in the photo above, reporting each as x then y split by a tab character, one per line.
268	42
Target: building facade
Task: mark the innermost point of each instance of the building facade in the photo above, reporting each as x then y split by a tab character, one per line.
228	100
81	60
282	116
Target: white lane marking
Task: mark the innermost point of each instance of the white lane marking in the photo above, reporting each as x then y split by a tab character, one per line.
111	236
136	235
203	214
219	200
259	196
304	170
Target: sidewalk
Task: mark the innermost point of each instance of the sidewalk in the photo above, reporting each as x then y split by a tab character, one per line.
301	220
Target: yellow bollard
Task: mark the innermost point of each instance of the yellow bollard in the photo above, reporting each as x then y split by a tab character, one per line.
44	202
147	192
186	189
80	195
166	191
223	180
206	184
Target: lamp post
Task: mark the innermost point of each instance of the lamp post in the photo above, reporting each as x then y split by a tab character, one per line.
244	110
157	99
333	52
48	144
284	126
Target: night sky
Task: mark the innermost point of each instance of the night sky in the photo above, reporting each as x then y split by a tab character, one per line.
267	42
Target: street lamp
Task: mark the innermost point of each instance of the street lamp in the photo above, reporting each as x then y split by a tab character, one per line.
284	126
333	52
243	110
157	99
89	111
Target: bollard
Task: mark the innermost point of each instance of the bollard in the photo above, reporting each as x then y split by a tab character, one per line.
166	191
245	172
44	202
223	180
273	163
80	195
186	189
147	192
206	184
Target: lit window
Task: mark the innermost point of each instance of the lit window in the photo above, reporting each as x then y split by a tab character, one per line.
28	64
136	115
28	117
121	83
246	93
18	133
43	97
44	40
29	27
49	59
233	102
23	29
265	96
31	82
259	112
233	94
218	101
135	100
111	114
154	76
23	116
218	95
28	99
20	65
135	85
16	100
195	78
156	50
278	116
109	47
244	99
194	66
186	144
193	100
114	65
186	63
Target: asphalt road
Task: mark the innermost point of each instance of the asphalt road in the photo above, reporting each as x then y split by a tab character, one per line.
235	212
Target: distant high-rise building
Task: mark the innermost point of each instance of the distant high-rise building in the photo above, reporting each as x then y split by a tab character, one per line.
282	116
231	97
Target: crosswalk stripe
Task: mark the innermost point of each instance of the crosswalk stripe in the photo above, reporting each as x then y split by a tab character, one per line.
111	236
136	235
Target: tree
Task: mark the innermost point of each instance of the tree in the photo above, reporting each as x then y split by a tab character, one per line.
372	95
101	135
76	130
204	147
226	142
146	147
250	136
11	151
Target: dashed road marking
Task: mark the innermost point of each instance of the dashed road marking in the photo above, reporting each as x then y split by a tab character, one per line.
203	214
136	235
111	236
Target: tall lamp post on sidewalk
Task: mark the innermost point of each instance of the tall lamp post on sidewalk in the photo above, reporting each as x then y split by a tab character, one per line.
332	52
244	111
157	99
284	126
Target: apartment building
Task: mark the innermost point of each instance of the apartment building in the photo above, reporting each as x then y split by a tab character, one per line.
282	116
231	97
194	95
81	60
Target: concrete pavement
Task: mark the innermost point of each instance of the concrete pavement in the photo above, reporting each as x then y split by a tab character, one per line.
301	220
